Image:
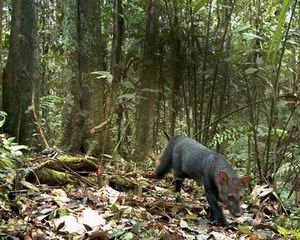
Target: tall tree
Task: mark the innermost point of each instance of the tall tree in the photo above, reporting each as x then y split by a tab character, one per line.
85	95
118	30
177	62
21	78
116	53
1	86
149	83
116	63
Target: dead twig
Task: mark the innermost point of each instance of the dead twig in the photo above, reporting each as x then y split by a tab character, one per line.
101	126
75	174
38	123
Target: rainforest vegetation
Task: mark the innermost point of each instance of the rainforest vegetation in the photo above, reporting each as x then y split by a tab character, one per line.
92	91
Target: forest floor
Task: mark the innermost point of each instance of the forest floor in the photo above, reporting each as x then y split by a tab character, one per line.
134	205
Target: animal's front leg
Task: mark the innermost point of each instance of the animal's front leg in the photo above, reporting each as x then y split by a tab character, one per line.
216	211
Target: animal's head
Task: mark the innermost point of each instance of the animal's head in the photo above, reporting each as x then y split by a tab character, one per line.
231	191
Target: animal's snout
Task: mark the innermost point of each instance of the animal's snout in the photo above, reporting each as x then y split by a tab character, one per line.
236	212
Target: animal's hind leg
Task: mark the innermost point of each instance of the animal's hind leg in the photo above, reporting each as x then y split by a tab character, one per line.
178	184
179	177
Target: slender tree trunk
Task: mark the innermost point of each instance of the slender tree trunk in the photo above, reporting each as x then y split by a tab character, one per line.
84	103
118	32
149	84
253	126
224	69
274	107
177	61
254	92
21	80
186	109
209	112
162	96
44	42
116	68
204	68
1	83
196	91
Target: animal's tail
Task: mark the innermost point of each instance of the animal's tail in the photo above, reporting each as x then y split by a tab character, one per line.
165	164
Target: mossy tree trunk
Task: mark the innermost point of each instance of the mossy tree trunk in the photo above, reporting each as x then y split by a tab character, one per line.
21	78
85	93
149	84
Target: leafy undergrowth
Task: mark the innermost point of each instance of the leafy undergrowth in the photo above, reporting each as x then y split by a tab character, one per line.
131	205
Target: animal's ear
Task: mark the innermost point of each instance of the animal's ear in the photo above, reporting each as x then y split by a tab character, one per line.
245	181
222	177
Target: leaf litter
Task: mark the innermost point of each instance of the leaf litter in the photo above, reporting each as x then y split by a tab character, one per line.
134	205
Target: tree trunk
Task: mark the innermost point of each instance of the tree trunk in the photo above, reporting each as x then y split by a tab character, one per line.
1	83
84	103
224	81
116	70
149	84
21	80
204	69
176	68
118	30
209	113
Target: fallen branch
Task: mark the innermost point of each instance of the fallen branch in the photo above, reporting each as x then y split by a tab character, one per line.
75	174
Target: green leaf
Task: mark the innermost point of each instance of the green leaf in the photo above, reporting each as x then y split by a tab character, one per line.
259	61
250	71
199	4
63	212
18	148
241	28
107	156
9	140
150	90
116	233
127	96
10	177
127	84
6	162
127	236
3	115
103	75
29	185
114	208
245	229
277	37
251	36
26	170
